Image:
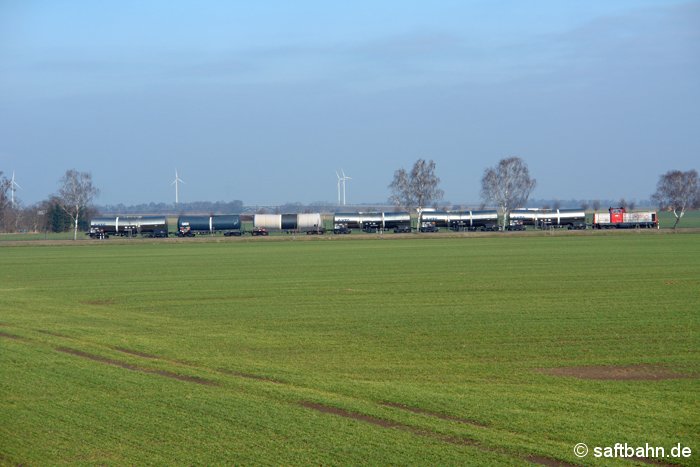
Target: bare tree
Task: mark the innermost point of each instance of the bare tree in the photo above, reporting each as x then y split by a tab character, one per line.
508	185
401	194
75	195
676	191
417	189
595	205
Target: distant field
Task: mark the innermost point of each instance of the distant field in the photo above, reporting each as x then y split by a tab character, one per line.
436	351
689	219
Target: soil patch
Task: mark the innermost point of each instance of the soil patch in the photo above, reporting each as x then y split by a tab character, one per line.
429	413
616	373
132	367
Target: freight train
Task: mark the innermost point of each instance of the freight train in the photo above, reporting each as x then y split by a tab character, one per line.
344	223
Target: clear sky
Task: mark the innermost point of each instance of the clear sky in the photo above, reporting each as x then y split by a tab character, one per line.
263	101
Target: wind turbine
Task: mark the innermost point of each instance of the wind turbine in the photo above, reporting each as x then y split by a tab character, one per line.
344	179
177	182
13	187
339	180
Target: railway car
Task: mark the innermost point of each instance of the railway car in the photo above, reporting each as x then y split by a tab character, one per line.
310	224
619	218
431	221
189	226
547	218
343	222
129	226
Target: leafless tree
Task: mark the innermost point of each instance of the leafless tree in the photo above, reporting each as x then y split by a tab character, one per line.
76	194
595	205
508	184
676	190
401	194
416	189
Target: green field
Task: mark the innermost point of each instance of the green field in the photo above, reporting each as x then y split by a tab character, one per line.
435	351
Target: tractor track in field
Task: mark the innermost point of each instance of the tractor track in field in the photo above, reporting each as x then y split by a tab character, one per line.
315	406
429	413
457	440
132	367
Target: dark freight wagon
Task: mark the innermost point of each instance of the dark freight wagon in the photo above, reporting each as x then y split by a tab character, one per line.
129	226
432	220
399	222
189	226
546	218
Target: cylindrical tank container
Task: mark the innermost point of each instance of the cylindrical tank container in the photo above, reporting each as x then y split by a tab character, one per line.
194	224
571	216
475	219
436	218
309	221
152	225
351	220
371	221
226	222
524	216
130	225
289	222
393	220
208	224
268	221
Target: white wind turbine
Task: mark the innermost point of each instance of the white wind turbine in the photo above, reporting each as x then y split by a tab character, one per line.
339	180
13	187
344	178
177	182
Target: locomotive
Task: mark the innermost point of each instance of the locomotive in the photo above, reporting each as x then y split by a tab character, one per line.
619	218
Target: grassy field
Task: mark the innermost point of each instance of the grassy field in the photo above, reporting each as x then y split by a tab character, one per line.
433	351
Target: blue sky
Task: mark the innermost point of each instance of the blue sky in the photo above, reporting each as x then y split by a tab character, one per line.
264	101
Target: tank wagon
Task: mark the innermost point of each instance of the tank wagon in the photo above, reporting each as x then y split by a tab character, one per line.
619	218
189	226
343	222
547	218
432	221
310	224
129	226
